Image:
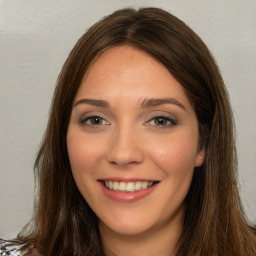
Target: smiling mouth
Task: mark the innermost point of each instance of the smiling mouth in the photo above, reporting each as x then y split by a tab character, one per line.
131	186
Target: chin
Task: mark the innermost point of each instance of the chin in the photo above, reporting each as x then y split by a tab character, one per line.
126	227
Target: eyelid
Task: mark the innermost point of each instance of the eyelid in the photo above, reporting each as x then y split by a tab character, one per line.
82	120
170	118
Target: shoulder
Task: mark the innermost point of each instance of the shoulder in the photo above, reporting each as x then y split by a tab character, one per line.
9	249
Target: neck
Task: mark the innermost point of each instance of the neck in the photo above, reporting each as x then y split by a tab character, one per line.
161	240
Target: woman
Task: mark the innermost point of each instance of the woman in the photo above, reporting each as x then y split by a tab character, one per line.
139	156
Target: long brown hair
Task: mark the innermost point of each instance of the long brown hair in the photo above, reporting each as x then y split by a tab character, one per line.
214	222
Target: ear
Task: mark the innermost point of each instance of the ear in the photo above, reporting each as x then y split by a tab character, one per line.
200	157
204	132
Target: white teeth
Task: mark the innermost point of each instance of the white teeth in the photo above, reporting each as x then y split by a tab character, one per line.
144	184
137	185
127	186
130	186
122	186
116	185
110	184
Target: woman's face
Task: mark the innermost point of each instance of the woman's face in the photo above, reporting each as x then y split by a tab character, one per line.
133	142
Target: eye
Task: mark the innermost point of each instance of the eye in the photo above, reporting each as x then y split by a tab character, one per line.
94	121
162	121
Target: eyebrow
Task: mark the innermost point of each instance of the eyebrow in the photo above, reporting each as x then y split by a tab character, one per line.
98	103
147	103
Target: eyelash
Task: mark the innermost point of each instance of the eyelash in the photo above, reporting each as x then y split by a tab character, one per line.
168	122
83	121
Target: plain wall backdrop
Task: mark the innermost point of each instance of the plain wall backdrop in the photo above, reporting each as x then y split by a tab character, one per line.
36	38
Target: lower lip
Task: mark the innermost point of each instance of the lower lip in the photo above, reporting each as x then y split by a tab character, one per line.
127	197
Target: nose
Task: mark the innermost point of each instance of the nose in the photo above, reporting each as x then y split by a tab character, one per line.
125	148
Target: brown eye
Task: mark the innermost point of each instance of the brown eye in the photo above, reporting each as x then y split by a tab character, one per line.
94	121
162	121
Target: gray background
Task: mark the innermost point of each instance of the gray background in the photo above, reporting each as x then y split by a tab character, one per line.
35	39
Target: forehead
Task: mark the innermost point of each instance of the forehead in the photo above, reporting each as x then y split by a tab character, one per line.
128	72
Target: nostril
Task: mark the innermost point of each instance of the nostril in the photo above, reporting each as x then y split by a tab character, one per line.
113	162
123	163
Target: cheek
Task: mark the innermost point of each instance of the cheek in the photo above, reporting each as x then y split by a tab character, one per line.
176	154
84	156
83	152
